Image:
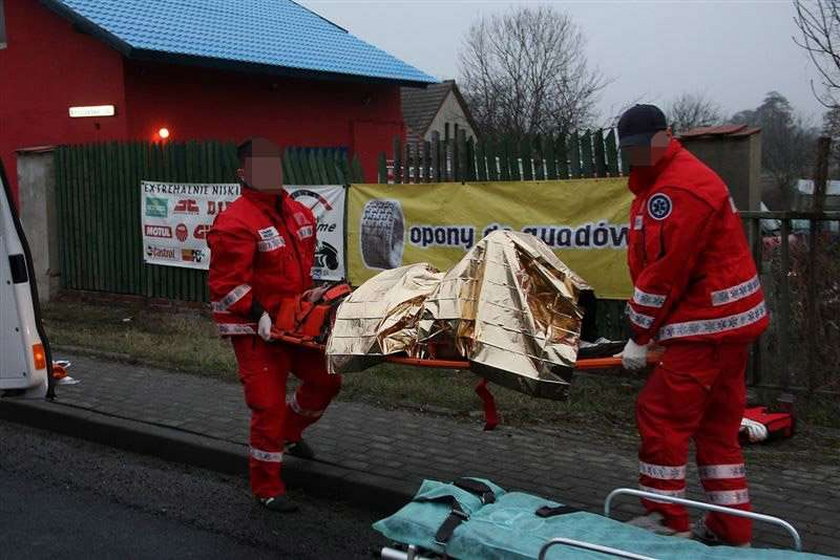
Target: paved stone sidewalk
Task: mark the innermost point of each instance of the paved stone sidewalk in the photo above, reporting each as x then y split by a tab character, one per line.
561	462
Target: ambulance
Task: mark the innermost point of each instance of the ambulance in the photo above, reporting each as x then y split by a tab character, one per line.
25	360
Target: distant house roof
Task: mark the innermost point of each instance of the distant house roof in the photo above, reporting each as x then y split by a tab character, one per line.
420	106
277	36
731	130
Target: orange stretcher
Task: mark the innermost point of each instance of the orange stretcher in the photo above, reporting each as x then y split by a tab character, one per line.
585	364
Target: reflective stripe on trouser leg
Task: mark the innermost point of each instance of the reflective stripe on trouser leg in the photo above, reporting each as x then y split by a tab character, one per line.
722	472
294	405
662	472
720	460
313	396
668	410
264	382
266	456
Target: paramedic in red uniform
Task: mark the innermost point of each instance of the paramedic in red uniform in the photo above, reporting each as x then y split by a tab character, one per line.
262	251
696	293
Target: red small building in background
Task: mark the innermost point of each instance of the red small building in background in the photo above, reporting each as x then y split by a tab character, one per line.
214	69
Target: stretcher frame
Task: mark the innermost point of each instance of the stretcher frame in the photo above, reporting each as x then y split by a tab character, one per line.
586	364
414	553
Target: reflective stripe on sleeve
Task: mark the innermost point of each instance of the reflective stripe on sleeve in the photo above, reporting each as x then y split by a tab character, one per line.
231	298
648	300
638	319
728	295
729	497
714	326
662	472
267	456
720	472
235	328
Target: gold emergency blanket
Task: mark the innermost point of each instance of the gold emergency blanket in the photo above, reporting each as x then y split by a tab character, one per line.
509	307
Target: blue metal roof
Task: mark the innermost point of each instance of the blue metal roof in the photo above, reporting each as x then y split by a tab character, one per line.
256	34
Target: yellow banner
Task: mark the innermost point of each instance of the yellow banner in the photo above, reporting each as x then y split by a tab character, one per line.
584	221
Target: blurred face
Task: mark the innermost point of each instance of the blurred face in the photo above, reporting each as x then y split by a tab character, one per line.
648	155
263	173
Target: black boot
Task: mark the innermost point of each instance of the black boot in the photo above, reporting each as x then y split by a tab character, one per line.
280	504
300	449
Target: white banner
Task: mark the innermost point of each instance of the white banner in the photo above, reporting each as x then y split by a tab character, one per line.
176	217
327	203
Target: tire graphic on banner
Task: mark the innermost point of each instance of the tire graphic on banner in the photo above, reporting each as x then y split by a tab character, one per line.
382	234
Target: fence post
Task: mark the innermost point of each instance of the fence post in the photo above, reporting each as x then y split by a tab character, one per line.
562	157
820	180
504	159
470	162
525	156
755	366
550	158
586	154
383	169
436	157
574	155
784	311
600	155
612	154
427	148
538	158
397	160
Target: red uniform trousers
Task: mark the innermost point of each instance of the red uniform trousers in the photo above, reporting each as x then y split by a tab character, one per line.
263	371
696	392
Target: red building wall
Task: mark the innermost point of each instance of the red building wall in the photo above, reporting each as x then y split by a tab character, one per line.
45	69
48	67
198	103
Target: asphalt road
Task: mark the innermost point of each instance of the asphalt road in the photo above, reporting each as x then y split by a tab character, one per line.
66	498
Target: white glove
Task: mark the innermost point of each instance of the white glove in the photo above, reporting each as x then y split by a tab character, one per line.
264	327
756	431
634	356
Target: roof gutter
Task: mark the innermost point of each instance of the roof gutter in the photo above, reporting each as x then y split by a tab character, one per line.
265	69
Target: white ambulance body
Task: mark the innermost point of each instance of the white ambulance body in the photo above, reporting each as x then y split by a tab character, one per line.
24	352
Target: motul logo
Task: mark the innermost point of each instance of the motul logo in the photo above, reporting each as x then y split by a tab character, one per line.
200	231
163	232
181	232
186	206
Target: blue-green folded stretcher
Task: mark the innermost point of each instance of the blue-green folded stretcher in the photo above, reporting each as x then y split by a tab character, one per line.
474	519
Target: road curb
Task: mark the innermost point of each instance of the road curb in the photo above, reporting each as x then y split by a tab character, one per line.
370	491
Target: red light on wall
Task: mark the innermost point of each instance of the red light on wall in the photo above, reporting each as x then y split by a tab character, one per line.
163	133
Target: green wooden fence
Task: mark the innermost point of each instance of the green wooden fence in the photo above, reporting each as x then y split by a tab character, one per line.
535	158
98	206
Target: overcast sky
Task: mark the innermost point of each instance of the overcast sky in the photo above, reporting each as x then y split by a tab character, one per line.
733	51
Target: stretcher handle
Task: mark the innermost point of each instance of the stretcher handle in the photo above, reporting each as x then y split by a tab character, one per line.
797	540
589	546
584	364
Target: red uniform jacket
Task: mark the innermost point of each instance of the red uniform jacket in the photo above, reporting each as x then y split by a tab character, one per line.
262	248
693	274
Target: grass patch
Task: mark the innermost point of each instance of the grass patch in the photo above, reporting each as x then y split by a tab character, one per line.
186	341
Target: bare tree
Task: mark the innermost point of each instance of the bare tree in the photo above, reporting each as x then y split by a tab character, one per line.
526	72
819	26
692	110
787	142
